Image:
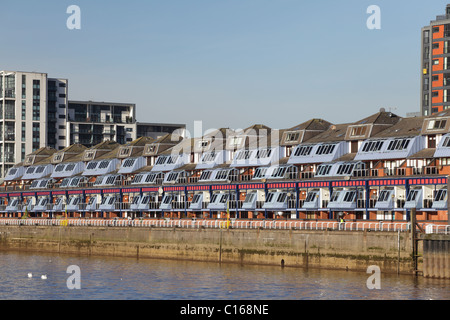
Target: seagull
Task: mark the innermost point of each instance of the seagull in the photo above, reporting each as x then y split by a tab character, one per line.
44	277
30	275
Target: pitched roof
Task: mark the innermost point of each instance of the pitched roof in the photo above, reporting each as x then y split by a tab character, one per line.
405	127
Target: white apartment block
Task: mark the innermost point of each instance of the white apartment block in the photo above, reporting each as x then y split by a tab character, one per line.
31	109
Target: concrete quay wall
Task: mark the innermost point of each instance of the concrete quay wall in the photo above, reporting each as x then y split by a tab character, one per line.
342	250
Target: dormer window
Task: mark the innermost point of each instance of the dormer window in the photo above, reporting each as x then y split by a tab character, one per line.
234	142
244	155
358	131
263	153
303	151
150	149
208	157
326	149
436	124
123	152
89	155
398	144
373	146
292	136
29	160
58	157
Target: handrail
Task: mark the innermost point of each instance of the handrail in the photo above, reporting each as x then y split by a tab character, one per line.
387	226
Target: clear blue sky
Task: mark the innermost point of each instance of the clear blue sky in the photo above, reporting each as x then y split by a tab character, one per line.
228	63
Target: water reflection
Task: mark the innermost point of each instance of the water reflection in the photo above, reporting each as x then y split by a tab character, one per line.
146	279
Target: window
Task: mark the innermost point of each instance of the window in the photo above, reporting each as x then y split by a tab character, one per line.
173	176
172	159
235	141
312	196
325	149
372	146
398	144
282	197
323	169
224	198
152	177
292	136
435	94
260	173
40	169
358	131
440	195
435	62
264	153
350	196
161	160
279	172
92	165
384	195
208	157
129	163
23	132
60	168
436	45
345	169
104	164
244	155
436	124
335	196
145	199
412	195
302	151
196	198
24	110
205	175
137	178
250	197
124	151
167	199
435	29
150	149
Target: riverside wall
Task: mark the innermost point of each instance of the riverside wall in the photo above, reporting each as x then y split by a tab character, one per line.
329	249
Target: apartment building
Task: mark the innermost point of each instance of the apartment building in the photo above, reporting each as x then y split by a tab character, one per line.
435	68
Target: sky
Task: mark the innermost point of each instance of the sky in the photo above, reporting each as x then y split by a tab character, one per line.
226	63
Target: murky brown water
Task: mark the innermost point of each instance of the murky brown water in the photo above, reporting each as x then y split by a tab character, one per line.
146	279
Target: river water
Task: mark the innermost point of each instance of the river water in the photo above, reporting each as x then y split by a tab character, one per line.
107	278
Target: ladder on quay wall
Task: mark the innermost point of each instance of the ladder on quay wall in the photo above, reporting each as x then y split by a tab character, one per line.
415	238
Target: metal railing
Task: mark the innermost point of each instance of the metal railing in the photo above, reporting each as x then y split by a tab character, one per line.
234	224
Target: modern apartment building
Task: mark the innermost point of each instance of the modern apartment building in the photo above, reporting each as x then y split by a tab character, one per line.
90	123
32	107
435	68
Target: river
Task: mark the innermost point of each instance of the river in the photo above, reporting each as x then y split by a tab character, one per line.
105	278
